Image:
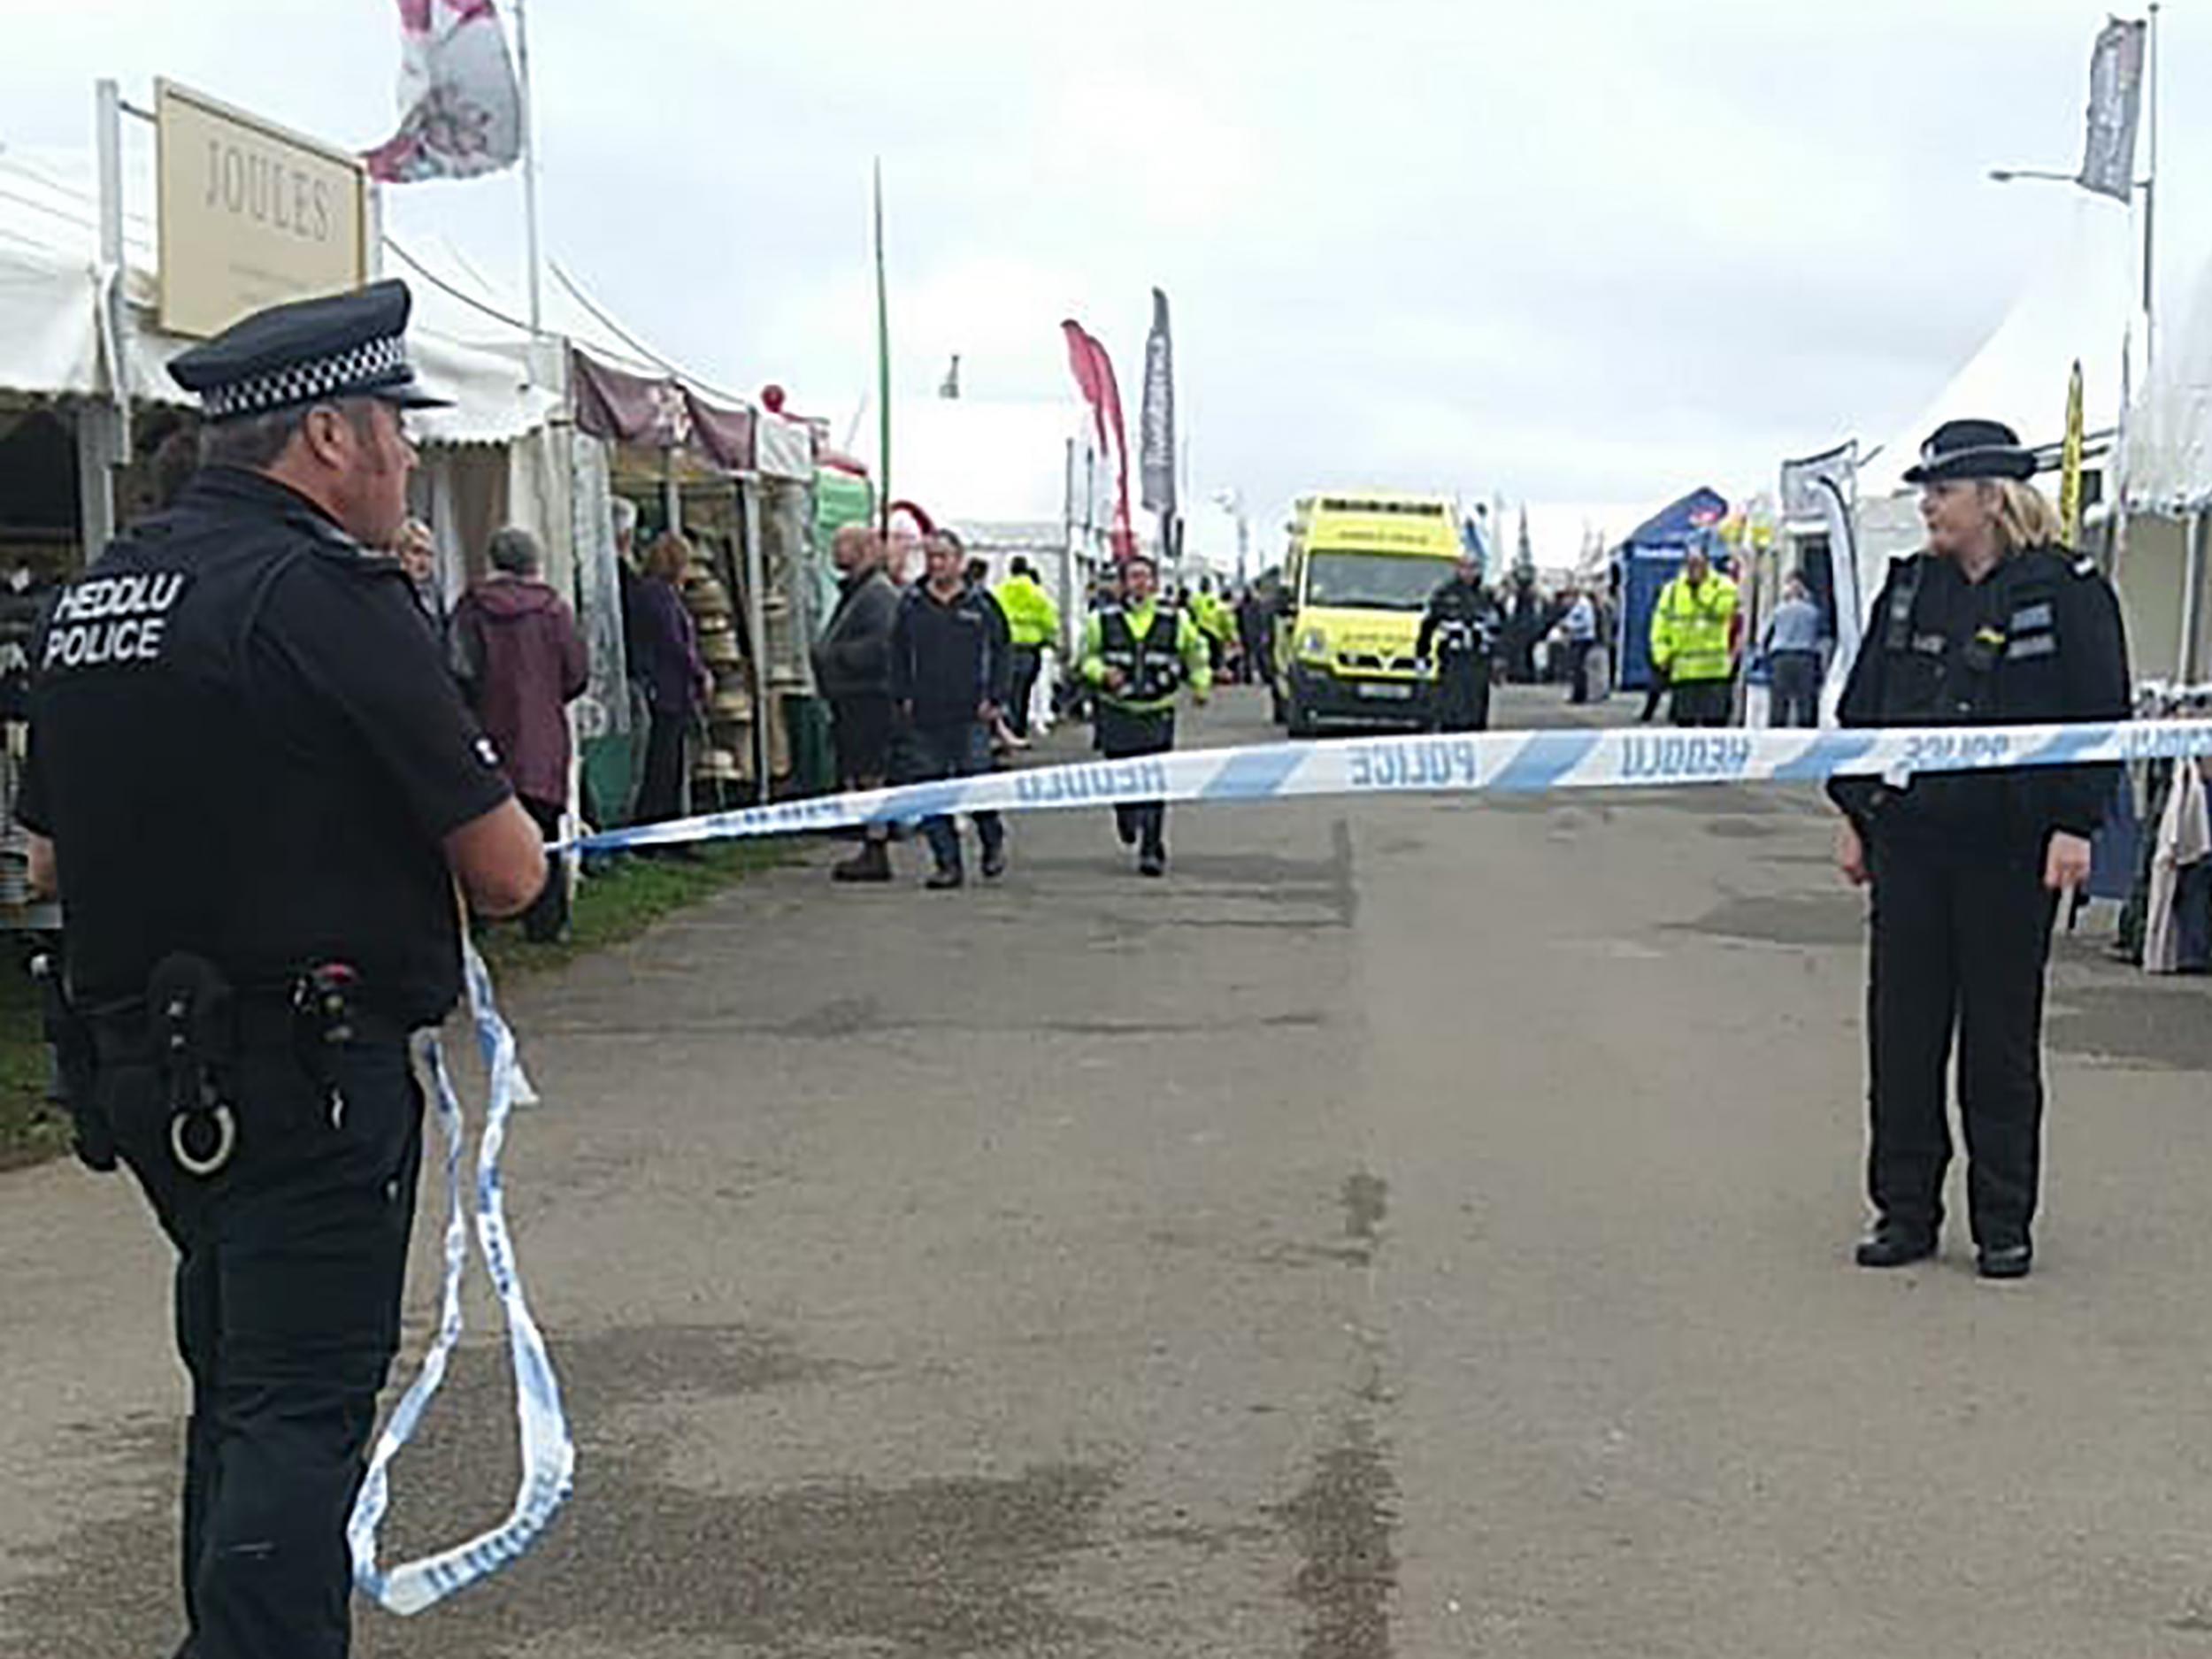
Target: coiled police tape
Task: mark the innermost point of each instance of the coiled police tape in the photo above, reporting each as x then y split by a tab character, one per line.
1509	762
548	1454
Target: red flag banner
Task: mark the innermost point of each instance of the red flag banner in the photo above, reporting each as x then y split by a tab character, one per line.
1093	373
460	105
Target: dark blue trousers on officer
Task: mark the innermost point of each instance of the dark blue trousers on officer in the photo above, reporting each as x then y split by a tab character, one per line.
1962	930
1463	692
290	1266
1127	734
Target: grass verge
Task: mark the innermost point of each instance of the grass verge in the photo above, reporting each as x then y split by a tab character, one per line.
29	1129
612	907
624	901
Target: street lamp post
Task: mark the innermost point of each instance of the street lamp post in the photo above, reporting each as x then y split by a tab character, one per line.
2147	185
1230	501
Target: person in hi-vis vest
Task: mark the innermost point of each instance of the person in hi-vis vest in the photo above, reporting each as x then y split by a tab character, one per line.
1138	656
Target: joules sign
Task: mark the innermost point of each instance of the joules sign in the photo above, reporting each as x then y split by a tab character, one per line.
250	214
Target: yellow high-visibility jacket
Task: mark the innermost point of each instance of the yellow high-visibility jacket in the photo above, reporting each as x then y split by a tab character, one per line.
1692	630
1032	619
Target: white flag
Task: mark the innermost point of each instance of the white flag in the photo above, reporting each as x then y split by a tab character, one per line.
2116	107
460	107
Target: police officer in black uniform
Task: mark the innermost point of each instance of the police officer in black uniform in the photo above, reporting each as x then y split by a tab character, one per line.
1993	624
253	786
1462	627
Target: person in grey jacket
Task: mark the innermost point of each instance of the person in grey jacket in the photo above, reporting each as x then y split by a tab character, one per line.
852	670
1795	635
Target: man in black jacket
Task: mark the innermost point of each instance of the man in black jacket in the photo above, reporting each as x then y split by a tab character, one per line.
852	668
1461	629
950	668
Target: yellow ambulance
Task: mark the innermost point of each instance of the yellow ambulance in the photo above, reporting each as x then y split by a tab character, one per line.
1356	581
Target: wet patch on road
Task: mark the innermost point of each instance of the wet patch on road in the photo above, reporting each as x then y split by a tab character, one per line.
2137	1023
1785	918
934	1566
1212	1540
1366	1201
1742	829
1344	1521
845	1017
1708	800
1358	1254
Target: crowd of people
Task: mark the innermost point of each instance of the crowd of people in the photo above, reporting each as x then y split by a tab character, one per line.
257	775
937	680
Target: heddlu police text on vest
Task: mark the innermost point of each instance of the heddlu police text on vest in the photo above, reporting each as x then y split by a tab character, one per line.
113	620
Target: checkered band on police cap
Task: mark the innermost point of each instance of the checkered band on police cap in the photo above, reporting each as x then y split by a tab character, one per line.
351	344
360	369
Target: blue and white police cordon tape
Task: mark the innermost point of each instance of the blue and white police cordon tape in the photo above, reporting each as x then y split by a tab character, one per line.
1506	762
548	1455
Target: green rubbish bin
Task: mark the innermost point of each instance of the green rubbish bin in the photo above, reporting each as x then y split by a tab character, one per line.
806	722
611	765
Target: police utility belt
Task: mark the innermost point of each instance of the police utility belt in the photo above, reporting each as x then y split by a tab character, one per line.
208	1045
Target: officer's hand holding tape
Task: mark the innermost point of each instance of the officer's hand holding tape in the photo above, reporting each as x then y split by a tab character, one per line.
2066	862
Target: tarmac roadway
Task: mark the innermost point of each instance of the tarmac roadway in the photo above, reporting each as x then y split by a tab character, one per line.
1416	1227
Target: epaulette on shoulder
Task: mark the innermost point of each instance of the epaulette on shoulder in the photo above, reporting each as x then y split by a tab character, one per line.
2085	566
327	537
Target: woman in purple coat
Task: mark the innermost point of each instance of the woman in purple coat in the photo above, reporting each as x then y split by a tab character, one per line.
665	661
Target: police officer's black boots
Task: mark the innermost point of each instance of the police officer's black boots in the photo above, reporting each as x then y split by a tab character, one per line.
1893	1243
2010	1260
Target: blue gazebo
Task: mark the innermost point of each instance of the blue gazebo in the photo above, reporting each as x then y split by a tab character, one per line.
1646	563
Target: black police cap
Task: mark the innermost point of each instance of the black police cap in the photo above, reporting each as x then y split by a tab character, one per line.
1971	449
308	351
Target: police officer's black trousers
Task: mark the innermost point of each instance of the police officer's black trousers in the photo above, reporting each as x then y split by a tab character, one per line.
1962	931
1123	734
1463	692
289	1278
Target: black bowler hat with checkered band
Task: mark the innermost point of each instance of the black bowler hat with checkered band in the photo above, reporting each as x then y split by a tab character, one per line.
308	351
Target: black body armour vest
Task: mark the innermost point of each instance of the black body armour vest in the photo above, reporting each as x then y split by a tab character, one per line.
1153	666
2005	669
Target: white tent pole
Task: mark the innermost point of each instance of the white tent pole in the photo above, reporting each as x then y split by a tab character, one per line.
104	424
529	164
756	568
2186	662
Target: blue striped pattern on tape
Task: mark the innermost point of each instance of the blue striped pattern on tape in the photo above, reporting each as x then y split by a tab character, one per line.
548	1453
1470	762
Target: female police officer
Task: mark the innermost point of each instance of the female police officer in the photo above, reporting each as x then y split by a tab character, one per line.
254	785
1992	623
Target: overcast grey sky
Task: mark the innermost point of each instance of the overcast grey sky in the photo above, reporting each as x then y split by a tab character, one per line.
1584	254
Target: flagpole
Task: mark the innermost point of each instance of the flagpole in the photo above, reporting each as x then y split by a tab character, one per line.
529	164
2150	192
883	366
